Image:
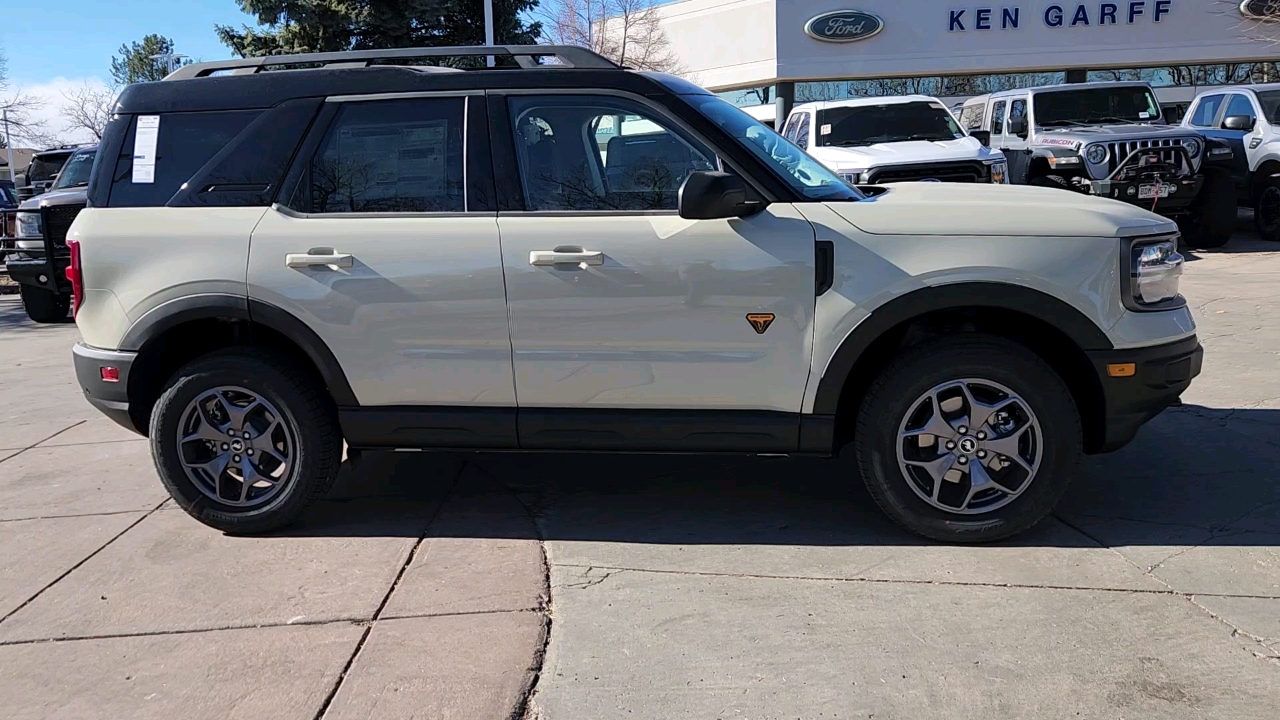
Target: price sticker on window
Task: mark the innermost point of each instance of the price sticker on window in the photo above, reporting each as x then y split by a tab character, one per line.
146	137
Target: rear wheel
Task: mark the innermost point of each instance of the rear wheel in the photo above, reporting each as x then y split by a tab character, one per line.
1212	216
245	441
968	439
44	306
1266	211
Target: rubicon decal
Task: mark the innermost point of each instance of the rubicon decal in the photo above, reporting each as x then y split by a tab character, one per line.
843	26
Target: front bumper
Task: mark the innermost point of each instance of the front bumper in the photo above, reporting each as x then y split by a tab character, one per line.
1161	374
1185	191
111	398
29	267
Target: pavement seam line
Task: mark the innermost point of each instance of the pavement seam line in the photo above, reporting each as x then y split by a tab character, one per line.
886	581
45	440
261	626
395	583
82	561
72	515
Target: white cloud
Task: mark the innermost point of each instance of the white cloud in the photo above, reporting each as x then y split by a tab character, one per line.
52	98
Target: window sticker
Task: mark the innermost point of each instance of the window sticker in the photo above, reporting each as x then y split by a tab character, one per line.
397	154
1144	115
825	129
145	139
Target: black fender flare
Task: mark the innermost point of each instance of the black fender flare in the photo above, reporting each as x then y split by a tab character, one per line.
209	306
1082	331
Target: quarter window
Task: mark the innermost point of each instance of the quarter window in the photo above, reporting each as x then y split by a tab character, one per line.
600	153
391	156
997	118
185	142
1240	105
802	135
1207	111
971	117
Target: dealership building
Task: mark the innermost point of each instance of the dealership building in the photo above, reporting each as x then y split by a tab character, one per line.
772	53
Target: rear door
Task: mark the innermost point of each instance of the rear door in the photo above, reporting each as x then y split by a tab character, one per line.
387	248
633	328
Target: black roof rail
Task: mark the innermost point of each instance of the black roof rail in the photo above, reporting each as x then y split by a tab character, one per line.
525	56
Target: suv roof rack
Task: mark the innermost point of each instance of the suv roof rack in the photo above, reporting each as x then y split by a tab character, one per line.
525	56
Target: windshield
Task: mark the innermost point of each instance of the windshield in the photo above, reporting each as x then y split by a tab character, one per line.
808	177
894	122
44	167
1270	102
76	172
7	198
1096	105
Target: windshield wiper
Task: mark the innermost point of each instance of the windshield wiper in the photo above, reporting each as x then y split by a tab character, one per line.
1113	118
854	143
923	136
1057	123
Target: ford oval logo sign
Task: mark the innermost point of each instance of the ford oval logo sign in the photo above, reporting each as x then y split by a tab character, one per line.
1265	10
843	26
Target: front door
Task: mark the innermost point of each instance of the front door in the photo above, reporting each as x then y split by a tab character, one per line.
618	304
1016	148
1238	104
390	260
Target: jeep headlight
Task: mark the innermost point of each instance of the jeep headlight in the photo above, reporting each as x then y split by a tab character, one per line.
999	171
1192	146
1096	154
1156	269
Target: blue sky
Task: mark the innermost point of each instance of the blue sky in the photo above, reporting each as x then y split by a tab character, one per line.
76	38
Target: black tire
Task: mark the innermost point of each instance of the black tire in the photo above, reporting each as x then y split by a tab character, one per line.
306	411
1052	181
1266	211
913	374
44	306
1212	216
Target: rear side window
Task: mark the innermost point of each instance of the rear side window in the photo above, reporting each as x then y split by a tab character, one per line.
391	156
1206	111
802	134
971	117
185	142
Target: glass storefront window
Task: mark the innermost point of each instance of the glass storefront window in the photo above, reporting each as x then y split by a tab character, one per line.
748	97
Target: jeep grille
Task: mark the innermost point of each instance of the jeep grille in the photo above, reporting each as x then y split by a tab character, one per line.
966	171
1122	150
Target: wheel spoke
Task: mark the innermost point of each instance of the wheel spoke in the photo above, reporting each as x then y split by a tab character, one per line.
263	440
1008	446
937	469
238	414
979	412
206	431
981	480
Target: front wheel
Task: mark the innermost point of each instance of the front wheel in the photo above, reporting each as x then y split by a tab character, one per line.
245	440
44	306
1212	216
968	439
1266	212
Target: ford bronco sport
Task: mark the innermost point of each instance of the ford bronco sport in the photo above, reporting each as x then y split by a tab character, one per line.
574	256
1109	139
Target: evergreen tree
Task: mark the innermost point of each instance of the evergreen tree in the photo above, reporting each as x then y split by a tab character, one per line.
136	64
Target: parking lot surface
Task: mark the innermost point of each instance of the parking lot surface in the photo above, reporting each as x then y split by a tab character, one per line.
678	587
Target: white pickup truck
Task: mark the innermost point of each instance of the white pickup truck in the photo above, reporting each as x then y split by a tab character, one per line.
872	141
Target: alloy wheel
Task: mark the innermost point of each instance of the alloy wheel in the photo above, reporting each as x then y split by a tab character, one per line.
969	446
236	447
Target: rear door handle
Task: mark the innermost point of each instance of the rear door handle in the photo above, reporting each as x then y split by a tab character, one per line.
319	256
563	257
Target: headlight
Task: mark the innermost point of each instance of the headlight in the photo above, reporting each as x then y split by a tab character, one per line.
1096	154
999	171
1193	147
1156	268
853	176
29	225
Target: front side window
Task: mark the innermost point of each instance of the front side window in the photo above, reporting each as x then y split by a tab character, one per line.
1241	106
1207	111
391	156
997	118
807	177
75	173
600	153
1102	105
888	123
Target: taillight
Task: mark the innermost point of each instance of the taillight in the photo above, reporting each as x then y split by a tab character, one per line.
76	276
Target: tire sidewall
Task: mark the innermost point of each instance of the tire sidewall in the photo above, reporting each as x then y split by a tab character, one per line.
1213	213
1006	364
1271	233
190	383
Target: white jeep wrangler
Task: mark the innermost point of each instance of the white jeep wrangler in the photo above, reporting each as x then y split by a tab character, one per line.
877	140
276	260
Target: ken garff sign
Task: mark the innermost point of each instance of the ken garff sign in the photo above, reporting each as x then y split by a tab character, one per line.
1068	14
1264	10
843	26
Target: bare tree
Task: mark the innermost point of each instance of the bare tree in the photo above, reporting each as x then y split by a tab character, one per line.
629	32
19	107
88	107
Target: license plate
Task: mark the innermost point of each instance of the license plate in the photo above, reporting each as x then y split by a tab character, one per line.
1150	192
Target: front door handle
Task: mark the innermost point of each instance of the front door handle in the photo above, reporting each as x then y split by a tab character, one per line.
319	256
566	257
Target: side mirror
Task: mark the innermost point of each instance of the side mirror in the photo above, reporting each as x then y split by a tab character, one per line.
983	136
708	195
1238	122
1017	126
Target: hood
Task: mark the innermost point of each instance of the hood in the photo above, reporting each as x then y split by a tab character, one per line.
903	153
997	210
1094	133
70	196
